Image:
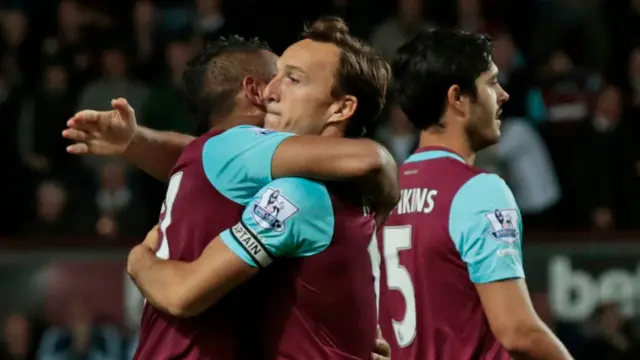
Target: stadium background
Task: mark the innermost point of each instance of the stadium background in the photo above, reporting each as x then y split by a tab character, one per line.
569	151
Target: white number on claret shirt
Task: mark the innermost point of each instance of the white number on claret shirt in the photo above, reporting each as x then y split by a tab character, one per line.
167	207
394	240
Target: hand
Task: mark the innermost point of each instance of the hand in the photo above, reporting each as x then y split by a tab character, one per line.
152	241
382	350
102	132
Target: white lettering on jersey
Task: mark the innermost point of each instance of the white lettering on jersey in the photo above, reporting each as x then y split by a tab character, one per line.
416	200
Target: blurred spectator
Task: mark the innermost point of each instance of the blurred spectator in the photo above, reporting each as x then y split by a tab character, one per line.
43	117
145	38
565	89
611	336
396	30
53	212
17	60
529	171
578	24
72	41
80	338
114	83
118	209
166	107
470	16
524	99
398	135
210	20
17	343
601	153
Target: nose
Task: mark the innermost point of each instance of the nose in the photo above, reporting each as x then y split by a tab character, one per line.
504	96
272	91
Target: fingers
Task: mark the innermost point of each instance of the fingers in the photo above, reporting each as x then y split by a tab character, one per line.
152	238
86	116
122	106
382	350
80	147
75	135
77	149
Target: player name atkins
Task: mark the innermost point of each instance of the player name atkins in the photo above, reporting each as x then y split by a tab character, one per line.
416	200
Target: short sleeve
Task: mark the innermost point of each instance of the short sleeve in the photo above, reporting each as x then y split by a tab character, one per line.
486	228
238	161
290	217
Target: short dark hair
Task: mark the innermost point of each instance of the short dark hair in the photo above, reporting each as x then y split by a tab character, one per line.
362	72
428	65
214	76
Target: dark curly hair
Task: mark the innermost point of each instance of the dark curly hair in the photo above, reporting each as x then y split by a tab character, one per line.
214	76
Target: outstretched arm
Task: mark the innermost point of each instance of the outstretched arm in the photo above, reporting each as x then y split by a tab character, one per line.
116	133
156	152
242	160
363	161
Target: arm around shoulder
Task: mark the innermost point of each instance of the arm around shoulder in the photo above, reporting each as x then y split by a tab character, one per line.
156	152
364	161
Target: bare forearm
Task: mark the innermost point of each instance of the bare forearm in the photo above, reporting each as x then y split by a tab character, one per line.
363	161
538	344
158	280
156	152
383	185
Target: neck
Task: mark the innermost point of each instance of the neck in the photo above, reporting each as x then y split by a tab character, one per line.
333	131
455	144
239	119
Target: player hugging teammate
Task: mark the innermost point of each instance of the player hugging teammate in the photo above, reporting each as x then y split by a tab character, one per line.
447	277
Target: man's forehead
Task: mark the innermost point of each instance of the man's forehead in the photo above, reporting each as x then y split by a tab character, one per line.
310	56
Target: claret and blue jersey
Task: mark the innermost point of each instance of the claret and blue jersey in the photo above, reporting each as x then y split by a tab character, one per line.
288	217
222	184
455	226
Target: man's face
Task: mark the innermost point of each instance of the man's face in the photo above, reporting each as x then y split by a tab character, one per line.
299	98
483	126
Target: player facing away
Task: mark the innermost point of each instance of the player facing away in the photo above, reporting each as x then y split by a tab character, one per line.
194	211
452	282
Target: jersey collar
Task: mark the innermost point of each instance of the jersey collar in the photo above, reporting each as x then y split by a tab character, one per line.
433	152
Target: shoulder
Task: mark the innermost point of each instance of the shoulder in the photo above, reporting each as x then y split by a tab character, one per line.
234	133
479	200
304	195
484	188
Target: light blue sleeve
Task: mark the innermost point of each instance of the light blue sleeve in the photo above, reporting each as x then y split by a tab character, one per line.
290	217
238	161
486	227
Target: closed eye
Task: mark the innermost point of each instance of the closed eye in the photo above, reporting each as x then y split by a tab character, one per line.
293	80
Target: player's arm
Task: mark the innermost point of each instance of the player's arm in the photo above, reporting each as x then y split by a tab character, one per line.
156	152
243	159
486	227
303	226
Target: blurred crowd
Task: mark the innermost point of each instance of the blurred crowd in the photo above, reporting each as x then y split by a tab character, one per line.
569	149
